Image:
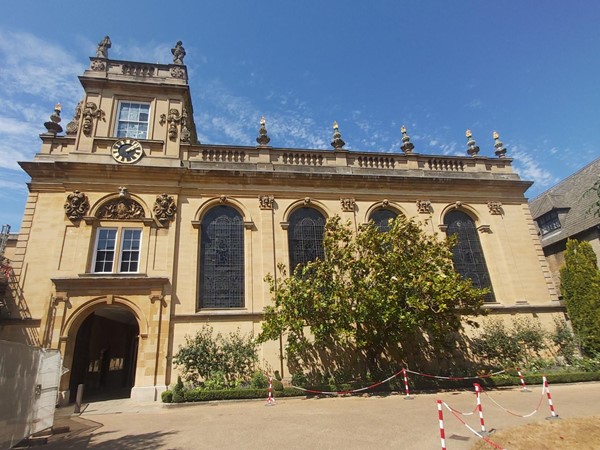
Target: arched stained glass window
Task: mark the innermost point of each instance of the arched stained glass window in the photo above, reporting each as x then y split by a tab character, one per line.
381	217
305	236
222	259
467	254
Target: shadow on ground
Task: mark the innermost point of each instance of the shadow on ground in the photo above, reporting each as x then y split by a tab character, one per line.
155	440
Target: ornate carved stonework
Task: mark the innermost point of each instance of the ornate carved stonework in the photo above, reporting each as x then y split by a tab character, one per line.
98	66
385	203
266	201
90	112
164	208
423	206
120	209
185	132
348	204
495	208
223	199
177	72
173	120
73	125
76	206
307	200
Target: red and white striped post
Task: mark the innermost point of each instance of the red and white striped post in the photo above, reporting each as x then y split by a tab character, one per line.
547	388
270	399
407	396
523	387
480	409
441	419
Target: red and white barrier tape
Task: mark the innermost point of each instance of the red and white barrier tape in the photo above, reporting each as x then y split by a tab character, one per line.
492	443
351	391
455	378
513	413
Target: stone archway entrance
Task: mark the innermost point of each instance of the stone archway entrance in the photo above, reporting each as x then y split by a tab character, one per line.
105	355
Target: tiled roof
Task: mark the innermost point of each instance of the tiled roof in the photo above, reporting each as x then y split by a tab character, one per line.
569	196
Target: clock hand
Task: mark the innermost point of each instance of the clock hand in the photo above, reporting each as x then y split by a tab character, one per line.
133	147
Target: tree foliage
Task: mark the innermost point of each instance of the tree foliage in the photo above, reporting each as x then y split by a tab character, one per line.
375	294
217	359
580	288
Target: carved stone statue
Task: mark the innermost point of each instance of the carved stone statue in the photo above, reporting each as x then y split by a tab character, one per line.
178	53
103	46
73	125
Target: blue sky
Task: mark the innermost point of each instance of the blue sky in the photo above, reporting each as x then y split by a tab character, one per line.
528	69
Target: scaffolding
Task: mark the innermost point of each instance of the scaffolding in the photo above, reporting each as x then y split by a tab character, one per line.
4	239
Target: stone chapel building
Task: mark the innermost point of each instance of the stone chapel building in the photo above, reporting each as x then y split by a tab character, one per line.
135	234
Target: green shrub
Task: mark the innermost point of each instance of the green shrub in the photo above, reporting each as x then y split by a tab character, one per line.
259	380
299	379
215	382
206	354
277	385
167	396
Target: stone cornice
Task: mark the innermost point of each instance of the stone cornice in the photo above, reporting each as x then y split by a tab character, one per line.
101	284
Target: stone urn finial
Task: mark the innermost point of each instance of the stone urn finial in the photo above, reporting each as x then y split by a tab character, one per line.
472	148
500	150
263	138
407	146
52	125
337	142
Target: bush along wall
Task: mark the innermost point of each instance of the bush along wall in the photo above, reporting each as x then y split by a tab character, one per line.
416	383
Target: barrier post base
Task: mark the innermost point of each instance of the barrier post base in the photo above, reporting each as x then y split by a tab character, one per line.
408	397
525	390
552	417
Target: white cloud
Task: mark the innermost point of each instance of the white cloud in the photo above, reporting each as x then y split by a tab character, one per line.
529	168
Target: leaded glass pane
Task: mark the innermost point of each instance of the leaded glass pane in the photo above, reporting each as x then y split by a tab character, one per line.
305	236
467	254
381	217
222	259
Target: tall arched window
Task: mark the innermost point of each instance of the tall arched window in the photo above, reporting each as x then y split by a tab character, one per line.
381	217
222	259
305	236
467	254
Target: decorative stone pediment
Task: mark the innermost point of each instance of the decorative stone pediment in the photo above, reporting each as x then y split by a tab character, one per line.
120	209
76	206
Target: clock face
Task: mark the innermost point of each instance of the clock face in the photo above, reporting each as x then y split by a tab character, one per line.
127	151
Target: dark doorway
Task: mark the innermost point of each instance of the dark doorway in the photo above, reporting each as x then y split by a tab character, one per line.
105	354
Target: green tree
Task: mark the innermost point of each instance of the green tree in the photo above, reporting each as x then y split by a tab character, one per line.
376	295
580	288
